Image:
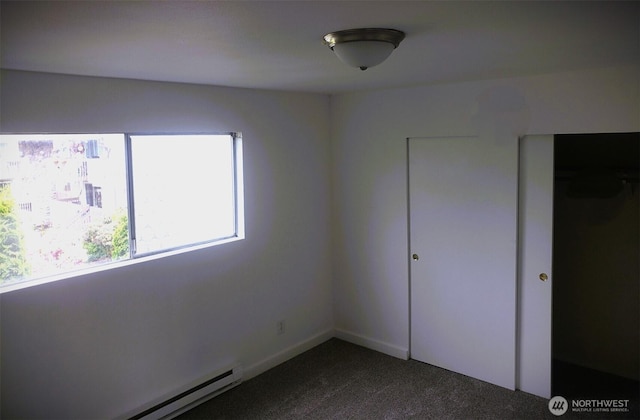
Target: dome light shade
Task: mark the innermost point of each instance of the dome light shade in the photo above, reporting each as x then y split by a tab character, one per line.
364	48
363	54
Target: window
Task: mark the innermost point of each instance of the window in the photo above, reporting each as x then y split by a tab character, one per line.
74	201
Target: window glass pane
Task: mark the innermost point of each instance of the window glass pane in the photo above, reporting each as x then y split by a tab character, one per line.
183	190
63	203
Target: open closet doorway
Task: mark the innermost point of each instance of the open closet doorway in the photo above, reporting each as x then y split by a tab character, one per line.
596	268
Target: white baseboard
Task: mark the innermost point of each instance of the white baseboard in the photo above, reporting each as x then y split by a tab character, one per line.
286	354
370	343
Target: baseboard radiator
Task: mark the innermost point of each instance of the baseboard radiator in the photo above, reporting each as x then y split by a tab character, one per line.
193	396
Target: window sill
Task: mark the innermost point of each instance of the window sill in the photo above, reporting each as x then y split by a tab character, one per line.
19	285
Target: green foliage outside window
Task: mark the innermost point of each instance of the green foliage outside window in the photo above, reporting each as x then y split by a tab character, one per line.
108	240
120	237
13	261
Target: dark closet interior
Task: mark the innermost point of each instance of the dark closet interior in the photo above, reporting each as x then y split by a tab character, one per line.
596	267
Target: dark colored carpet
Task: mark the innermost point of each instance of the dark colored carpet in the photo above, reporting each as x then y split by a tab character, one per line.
339	380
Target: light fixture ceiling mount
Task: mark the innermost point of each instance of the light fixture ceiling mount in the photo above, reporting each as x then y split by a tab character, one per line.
364	47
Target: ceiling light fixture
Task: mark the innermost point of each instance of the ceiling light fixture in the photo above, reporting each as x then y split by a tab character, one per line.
365	47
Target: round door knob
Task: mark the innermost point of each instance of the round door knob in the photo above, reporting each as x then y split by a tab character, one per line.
543	276
415	257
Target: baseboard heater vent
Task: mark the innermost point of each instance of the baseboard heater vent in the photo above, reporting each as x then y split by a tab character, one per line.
193	396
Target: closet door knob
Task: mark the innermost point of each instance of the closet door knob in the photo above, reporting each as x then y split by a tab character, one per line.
543	276
415	257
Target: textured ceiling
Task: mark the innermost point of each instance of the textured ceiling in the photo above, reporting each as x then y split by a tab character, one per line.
278	45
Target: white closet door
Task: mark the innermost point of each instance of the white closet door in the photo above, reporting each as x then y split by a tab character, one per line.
536	240
463	232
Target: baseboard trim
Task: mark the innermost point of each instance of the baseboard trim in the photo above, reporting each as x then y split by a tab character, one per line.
370	343
286	354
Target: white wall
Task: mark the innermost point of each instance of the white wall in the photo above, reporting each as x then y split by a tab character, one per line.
101	345
370	249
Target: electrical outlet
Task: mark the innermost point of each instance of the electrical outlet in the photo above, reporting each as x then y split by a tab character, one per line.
280	327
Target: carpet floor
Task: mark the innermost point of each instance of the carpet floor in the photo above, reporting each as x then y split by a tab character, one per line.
340	380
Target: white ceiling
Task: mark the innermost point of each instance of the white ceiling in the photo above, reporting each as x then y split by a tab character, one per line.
278	45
